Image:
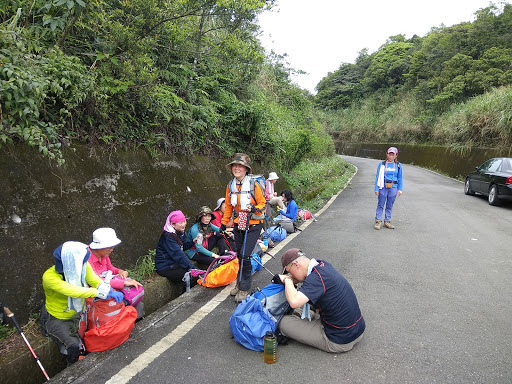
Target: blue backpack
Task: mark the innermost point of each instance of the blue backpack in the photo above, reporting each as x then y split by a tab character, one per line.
258	314
276	233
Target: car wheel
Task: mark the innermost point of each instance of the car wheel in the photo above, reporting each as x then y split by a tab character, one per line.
467	188
493	195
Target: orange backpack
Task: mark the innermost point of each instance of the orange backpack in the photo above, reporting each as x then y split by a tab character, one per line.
106	324
222	271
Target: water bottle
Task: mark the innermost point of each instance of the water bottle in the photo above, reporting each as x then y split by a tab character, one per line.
108	277
270	348
200	238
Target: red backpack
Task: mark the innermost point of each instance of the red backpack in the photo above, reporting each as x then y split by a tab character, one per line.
106	324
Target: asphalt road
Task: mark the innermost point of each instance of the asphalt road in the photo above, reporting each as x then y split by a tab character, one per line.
435	293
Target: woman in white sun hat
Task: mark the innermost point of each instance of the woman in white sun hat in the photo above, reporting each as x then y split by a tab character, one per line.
271	196
103	242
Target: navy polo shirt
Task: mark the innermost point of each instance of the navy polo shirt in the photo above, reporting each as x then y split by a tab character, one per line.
329	292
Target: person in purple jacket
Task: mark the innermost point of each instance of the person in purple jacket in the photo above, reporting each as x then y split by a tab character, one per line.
341	324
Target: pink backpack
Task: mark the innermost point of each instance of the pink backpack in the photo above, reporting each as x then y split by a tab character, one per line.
131	294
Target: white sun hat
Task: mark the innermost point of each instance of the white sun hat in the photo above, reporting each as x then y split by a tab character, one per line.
104	238
273	176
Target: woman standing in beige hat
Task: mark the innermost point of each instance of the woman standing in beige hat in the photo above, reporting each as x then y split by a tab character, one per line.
246	201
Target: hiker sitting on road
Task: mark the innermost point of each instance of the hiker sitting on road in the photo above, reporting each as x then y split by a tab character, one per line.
103	242
202	250
248	204
291	205
271	195
66	285
219	214
341	324
388	185
170	260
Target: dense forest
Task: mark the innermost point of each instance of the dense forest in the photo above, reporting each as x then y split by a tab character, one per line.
191	76
182	76
452	87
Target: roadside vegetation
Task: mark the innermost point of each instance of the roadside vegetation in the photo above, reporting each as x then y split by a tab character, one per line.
451	87
186	76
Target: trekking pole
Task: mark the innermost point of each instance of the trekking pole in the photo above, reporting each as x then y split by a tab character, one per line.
8	313
271	255
243	253
266	269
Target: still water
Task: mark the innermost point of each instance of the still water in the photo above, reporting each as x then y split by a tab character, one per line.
442	159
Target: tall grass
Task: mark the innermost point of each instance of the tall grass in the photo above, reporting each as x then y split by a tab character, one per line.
485	120
315	182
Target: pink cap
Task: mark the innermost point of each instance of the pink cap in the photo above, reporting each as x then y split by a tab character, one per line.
176	217
393	149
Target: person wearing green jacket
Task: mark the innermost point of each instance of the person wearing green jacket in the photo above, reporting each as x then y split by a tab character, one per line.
66	285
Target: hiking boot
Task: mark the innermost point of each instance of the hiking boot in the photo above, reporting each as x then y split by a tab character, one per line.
388	224
234	291
378	224
241	296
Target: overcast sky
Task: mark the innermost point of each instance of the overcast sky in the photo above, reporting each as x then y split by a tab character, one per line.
319	35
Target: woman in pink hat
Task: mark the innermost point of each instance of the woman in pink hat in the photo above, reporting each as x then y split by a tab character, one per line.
170	260
388	185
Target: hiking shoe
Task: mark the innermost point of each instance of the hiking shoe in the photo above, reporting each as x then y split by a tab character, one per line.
241	296
234	291
388	224
378	224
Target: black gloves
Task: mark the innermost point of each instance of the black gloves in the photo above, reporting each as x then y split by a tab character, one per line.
222	228
277	280
253	208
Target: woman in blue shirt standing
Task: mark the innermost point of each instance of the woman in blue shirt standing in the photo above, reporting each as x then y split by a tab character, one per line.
388	185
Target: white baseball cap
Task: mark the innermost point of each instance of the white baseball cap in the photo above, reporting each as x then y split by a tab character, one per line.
219	203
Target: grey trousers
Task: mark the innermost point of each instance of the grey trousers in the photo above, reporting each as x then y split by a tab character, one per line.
59	331
312	333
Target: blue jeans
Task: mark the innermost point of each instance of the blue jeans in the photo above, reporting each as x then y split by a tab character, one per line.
387	196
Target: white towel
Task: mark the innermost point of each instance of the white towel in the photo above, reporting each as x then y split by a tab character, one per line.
305	308
72	256
380	181
245	193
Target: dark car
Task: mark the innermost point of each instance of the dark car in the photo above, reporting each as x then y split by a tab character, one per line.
493	179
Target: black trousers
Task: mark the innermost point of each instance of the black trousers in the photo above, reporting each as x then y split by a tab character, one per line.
176	275
244	274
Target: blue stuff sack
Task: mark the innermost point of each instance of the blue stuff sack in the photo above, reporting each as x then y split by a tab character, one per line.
250	322
255	262
257	314
276	233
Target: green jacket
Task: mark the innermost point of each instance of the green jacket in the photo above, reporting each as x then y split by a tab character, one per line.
57	290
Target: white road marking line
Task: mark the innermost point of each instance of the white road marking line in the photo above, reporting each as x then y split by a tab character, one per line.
146	358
